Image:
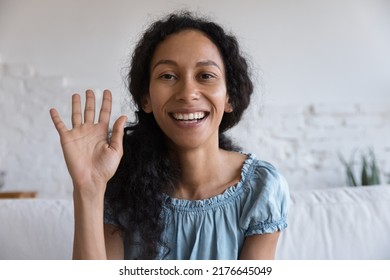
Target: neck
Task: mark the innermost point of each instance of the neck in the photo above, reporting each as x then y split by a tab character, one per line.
202	173
199	164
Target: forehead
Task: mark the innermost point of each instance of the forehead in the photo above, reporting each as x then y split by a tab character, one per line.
187	46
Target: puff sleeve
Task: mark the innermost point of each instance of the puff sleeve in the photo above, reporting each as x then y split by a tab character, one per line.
267	201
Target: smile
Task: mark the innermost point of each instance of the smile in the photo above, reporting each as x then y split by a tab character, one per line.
196	116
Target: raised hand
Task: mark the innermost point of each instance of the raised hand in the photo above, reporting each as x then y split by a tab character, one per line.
90	157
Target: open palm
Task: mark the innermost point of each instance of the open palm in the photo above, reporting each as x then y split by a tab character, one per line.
90	156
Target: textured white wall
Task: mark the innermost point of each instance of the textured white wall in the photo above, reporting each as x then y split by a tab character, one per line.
29	149
303	141
322	72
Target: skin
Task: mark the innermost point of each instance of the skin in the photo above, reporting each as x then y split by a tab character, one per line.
91	162
187	76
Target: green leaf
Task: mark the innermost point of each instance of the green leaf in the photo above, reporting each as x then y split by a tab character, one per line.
364	173
374	169
351	181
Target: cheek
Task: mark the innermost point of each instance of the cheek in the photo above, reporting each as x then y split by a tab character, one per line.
156	96
221	98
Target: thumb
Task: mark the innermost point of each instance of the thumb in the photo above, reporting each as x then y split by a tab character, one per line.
117	133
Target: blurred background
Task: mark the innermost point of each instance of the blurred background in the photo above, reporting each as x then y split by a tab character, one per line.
321	71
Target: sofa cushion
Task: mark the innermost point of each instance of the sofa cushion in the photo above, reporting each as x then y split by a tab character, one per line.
338	223
36	229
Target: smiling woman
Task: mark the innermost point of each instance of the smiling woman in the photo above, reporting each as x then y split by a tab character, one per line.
187	92
172	185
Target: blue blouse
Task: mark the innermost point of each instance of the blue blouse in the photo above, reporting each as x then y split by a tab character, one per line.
215	228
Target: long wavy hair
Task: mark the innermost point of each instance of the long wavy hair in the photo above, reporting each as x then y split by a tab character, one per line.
135	193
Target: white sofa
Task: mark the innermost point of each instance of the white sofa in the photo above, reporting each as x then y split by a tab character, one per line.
338	223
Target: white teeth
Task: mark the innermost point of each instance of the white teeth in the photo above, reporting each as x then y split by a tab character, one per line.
189	117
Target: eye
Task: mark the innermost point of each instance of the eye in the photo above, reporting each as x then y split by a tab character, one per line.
206	76
167	77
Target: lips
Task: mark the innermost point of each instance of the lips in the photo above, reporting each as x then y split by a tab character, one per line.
189	116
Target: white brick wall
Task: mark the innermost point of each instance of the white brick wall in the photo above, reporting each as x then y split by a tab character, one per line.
303	140
29	149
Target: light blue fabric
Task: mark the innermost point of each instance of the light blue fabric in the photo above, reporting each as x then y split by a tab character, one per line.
215	228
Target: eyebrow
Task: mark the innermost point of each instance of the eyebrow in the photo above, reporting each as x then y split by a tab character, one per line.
198	64
208	63
165	61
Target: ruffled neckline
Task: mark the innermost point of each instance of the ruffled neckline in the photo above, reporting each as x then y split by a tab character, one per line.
228	194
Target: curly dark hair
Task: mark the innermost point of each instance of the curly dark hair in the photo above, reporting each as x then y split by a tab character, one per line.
136	192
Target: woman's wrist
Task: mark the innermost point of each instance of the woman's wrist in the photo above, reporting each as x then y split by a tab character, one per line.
89	234
89	191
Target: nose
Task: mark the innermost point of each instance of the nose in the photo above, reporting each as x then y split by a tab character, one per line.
187	90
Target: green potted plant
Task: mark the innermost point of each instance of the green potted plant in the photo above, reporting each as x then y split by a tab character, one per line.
369	171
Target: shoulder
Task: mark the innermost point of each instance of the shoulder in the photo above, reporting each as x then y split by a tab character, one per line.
267	197
260	175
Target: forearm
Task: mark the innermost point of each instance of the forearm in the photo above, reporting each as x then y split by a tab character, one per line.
91	161
89	229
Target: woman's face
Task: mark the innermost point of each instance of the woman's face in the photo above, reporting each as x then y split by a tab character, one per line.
187	91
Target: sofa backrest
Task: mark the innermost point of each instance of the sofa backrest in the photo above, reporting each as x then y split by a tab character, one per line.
338	223
36	229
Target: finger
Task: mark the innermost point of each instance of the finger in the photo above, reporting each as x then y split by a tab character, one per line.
117	133
76	110
57	121
105	110
89	110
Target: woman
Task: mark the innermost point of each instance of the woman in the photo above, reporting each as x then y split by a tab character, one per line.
177	188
